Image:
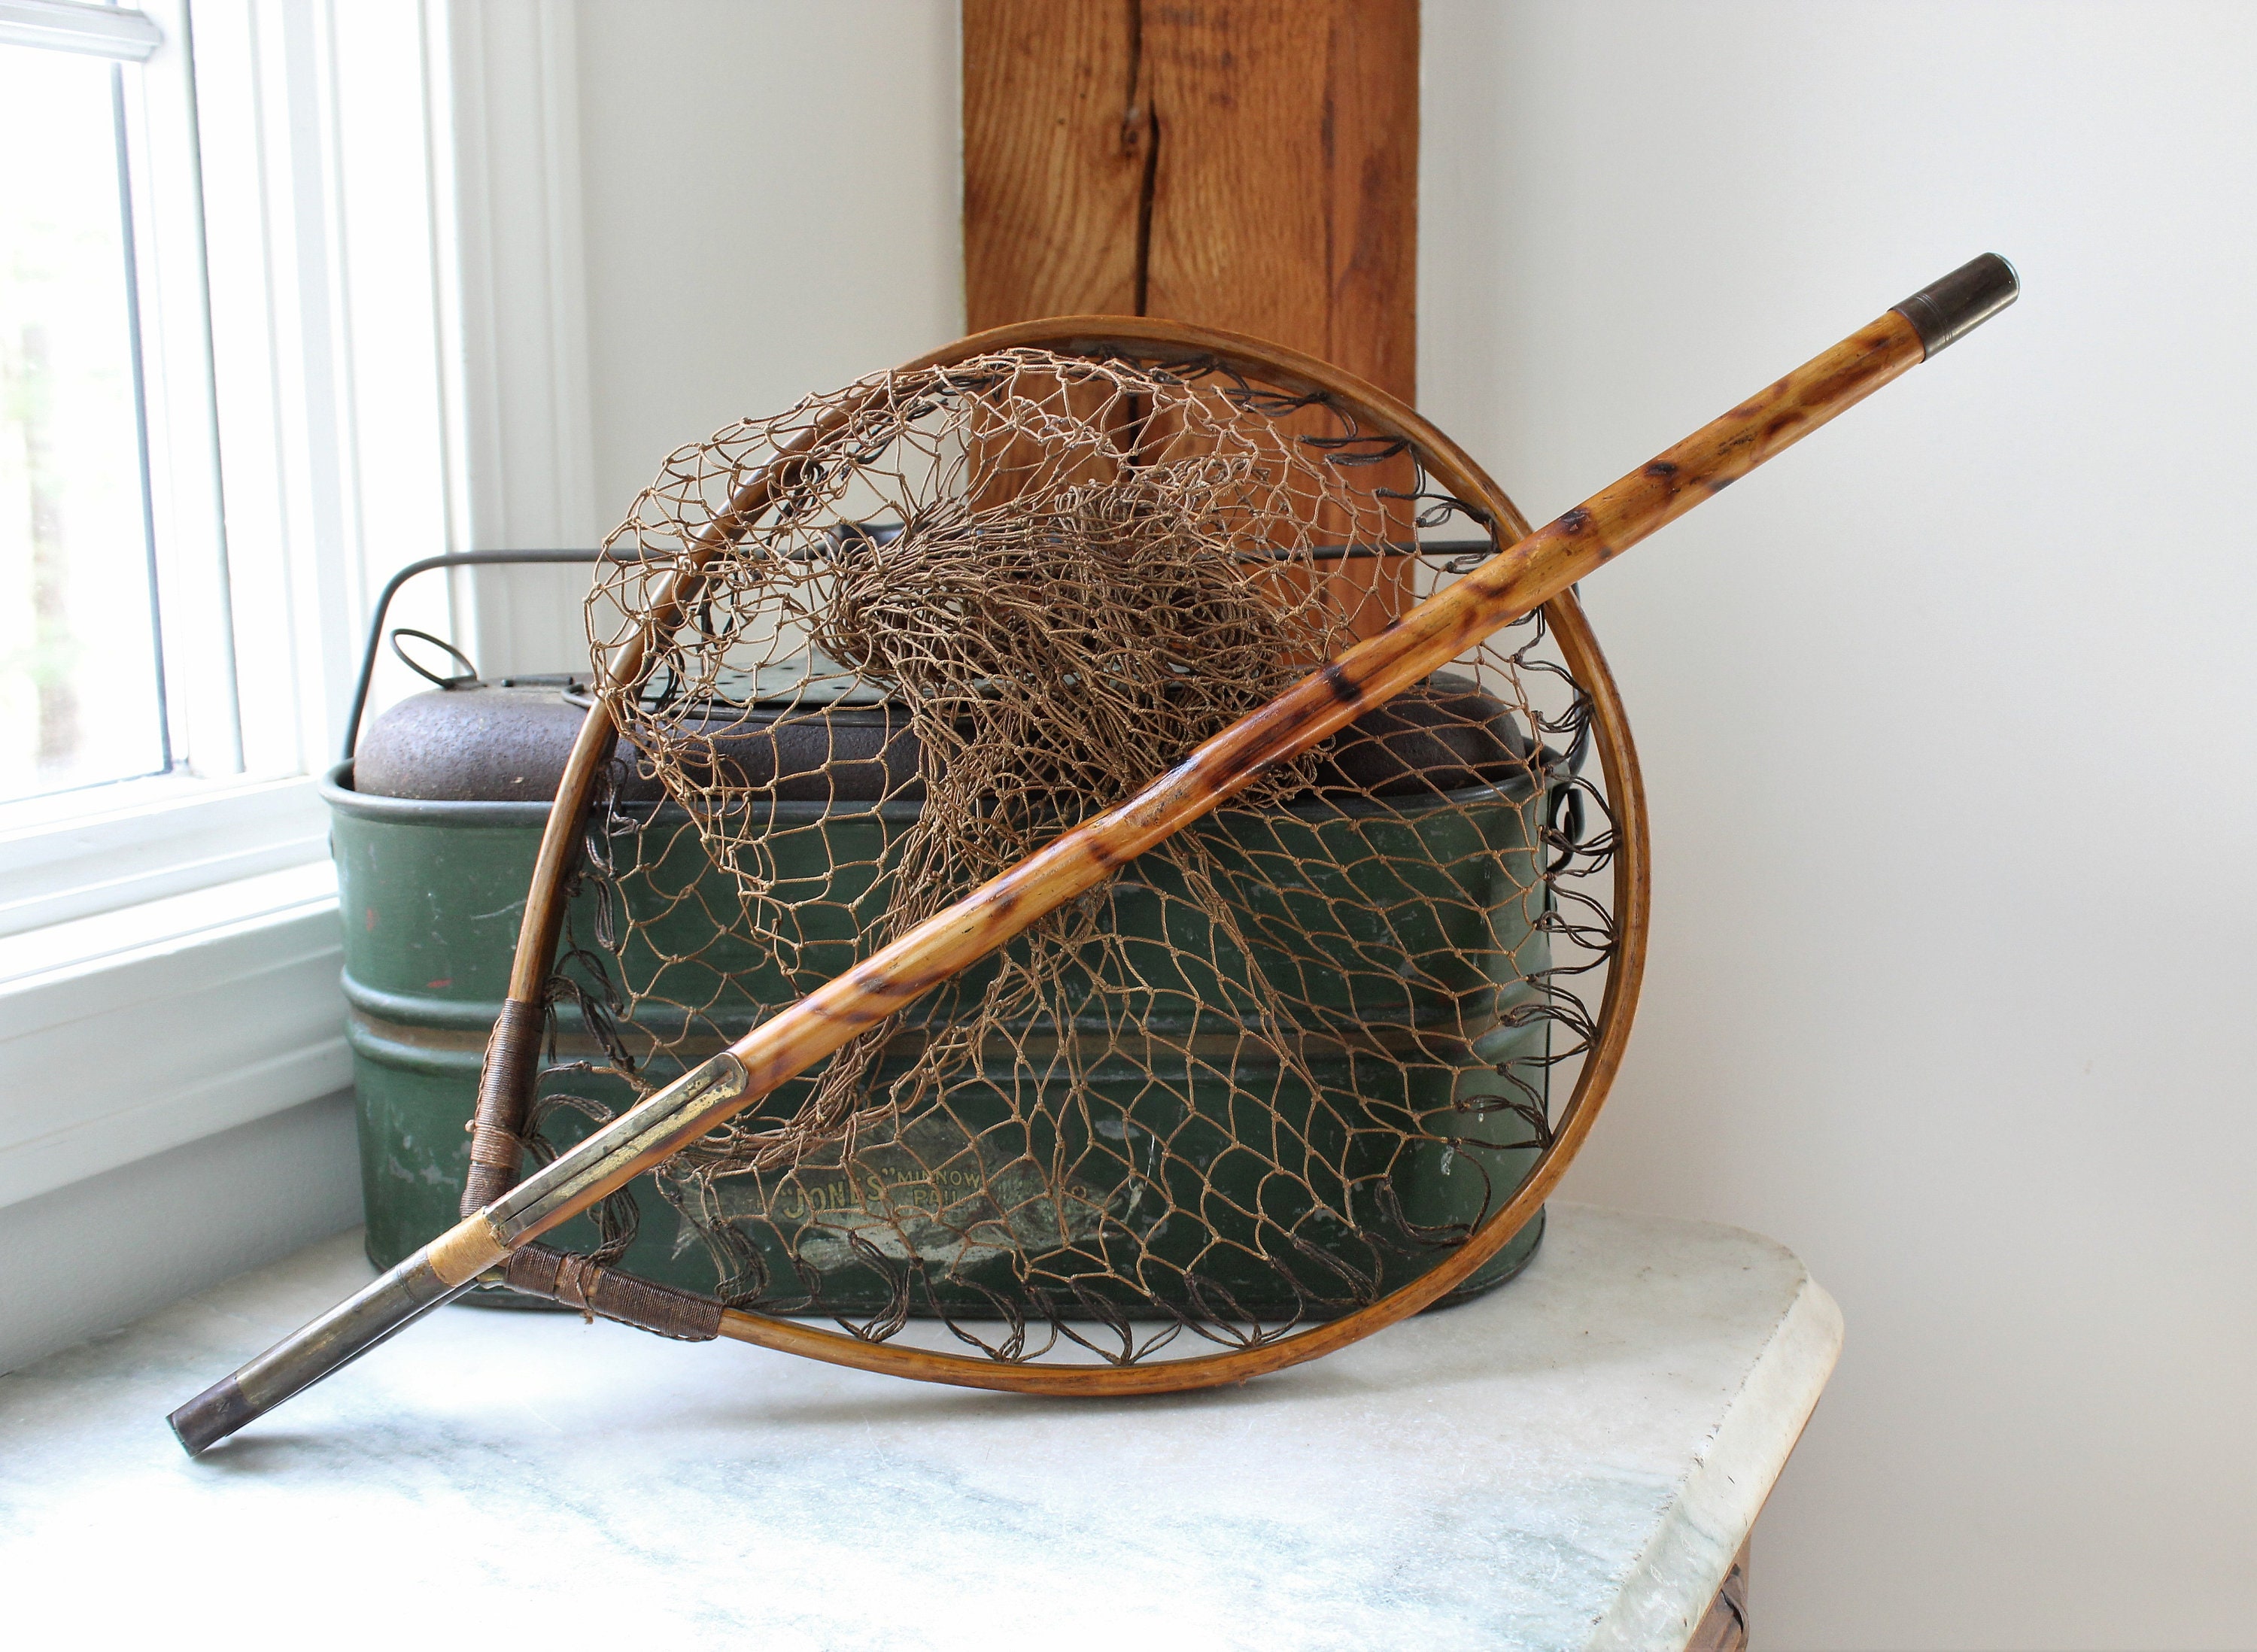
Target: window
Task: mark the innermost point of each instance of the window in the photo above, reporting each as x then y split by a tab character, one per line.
82	688
325	324
177	594
87	667
237	270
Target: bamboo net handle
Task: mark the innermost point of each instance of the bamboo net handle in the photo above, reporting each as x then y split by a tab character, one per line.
1539	567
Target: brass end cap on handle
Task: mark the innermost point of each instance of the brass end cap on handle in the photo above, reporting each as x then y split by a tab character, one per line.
211	1416
436	1274
1945	312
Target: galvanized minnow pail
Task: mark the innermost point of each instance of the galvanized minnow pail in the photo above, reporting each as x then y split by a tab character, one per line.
434	830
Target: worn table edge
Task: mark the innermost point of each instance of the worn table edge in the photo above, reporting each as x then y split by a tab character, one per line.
1693	1549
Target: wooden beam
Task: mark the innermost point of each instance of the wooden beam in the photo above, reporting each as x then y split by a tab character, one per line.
1056	160
1244	164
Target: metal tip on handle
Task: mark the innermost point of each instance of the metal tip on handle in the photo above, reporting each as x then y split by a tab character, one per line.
211	1416
375	1312
1945	312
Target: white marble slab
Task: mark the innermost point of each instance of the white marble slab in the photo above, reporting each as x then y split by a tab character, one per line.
1570	1463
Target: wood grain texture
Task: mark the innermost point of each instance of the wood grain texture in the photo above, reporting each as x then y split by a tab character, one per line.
1057	160
1247	165
1284	201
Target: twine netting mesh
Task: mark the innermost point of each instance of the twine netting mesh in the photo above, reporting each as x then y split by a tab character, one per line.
1272	1069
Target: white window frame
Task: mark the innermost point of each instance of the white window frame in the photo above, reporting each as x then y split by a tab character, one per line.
168	946
75	26
238	805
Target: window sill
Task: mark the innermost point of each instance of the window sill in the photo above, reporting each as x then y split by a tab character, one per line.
133	1031
158	839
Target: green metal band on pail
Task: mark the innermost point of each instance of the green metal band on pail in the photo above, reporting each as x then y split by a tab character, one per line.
431	893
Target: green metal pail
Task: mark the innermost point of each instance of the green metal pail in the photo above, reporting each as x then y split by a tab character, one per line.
431	893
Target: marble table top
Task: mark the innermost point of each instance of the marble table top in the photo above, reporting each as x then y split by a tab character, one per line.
1571	1461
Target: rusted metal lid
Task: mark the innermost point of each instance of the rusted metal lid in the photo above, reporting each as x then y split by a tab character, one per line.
507	742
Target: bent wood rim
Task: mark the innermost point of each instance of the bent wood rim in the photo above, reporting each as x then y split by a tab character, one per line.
1169	342
1626	799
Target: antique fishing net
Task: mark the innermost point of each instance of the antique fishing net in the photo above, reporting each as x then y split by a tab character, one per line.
1275	1068
1256	1060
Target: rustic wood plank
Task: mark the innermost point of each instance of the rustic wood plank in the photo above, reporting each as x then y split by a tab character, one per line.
1249	165
1285	197
1057	160
1284	200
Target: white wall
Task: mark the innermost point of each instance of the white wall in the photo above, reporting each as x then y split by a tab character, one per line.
676	214
770	198
1947	718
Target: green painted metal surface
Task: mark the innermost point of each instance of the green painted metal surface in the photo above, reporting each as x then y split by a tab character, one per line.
1444	896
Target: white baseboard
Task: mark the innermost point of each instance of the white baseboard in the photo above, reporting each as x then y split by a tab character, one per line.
88	1257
